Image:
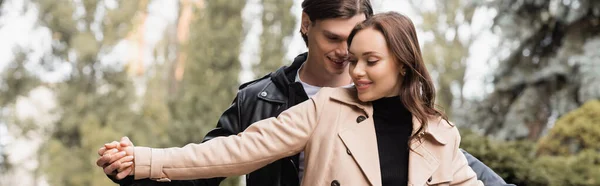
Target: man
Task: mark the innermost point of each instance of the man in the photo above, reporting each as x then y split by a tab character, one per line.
325	26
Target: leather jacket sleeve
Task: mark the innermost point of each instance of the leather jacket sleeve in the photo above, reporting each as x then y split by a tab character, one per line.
228	124
129	181
484	173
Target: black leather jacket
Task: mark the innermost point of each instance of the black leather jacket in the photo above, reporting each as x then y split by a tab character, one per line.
268	97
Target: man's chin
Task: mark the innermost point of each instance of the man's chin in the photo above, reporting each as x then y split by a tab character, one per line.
337	71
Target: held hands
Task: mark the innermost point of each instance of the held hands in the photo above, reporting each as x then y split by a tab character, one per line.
116	158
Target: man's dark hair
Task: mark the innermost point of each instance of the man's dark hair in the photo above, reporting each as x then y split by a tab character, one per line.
326	9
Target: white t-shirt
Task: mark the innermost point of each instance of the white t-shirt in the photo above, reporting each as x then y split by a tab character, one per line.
311	90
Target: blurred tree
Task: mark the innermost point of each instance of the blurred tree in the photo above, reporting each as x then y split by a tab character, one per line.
181	37
96	98
278	26
15	81
450	24
550	66
210	81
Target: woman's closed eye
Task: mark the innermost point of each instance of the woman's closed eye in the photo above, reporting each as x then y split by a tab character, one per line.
372	60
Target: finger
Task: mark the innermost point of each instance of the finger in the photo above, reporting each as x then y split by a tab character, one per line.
124	166
125	141
101	162
101	151
110	169
125	162
104	160
111	145
117	156
124	173
110	152
126	159
129	150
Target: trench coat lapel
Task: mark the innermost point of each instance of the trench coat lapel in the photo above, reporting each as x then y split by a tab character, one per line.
361	142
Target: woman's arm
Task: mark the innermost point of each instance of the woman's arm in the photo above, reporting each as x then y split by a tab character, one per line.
260	144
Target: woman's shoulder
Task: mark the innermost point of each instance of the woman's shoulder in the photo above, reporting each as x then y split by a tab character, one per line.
348	91
339	93
443	129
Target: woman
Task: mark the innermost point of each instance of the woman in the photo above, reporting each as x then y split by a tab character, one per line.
383	131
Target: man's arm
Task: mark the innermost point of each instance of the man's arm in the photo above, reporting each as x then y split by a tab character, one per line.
484	173
228	124
129	181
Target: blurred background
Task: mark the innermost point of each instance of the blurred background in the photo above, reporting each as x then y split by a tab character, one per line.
520	77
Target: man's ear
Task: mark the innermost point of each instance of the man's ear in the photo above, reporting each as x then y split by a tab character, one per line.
305	23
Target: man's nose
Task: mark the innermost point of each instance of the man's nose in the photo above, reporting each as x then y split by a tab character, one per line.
342	51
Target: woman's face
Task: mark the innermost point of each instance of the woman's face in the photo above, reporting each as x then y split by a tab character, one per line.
373	68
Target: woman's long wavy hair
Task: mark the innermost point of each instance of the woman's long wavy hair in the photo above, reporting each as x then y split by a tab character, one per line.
417	92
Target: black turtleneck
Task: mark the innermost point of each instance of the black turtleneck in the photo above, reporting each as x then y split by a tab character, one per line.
393	126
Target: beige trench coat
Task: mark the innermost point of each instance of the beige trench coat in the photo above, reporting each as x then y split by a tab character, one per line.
336	132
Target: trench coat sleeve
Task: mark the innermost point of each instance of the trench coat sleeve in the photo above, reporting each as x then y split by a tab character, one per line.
260	144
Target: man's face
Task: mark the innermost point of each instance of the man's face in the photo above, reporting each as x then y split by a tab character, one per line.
327	45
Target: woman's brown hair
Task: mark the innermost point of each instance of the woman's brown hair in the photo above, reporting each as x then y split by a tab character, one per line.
417	92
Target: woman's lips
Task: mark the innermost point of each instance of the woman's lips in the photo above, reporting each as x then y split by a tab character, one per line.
362	85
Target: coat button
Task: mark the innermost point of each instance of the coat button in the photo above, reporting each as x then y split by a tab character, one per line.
360	119
348	151
263	94
429	180
335	183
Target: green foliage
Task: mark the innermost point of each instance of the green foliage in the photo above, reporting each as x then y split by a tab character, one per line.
95	101
211	73
573	132
580	169
510	160
15	80
278	24
446	57
517	162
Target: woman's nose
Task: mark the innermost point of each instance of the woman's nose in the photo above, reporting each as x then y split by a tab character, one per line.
358	70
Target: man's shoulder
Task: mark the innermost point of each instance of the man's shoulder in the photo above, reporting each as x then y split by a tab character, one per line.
263	88
255	85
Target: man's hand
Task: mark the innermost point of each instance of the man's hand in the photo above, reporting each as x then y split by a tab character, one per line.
116	158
